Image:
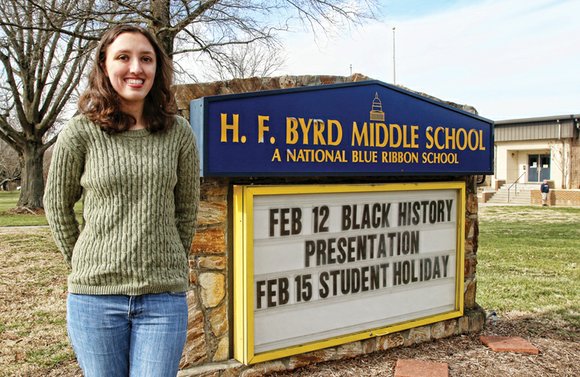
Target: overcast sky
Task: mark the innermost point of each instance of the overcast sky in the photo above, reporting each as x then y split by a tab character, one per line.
507	58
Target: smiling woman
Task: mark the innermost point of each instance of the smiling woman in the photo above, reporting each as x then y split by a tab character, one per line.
130	65
129	85
135	164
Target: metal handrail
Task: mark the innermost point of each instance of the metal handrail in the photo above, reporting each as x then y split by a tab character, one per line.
515	184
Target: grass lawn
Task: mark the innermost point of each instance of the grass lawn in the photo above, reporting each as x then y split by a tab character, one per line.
33	340
528	261
8	200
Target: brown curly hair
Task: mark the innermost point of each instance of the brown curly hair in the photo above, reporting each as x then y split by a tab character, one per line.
101	103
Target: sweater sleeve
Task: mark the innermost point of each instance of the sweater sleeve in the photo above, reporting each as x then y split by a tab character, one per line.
63	190
186	192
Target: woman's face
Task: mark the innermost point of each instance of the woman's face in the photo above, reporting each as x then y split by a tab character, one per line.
130	65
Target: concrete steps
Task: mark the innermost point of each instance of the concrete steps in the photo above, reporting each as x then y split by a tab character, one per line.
520	196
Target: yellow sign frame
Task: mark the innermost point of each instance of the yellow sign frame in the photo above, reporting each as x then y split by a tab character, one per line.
243	210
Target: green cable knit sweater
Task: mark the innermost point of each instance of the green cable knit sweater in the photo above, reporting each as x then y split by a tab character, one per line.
140	194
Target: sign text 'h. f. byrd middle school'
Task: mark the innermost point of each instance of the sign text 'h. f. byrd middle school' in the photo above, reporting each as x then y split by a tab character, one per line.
354	129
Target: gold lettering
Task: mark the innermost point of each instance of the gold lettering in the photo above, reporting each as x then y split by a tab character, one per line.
444	138
429	136
233	127
315	155
317	131
461	144
439	158
399	136
364	156
305	127
334	125
449	138
291	130
361	138
382	135
399	157
414	136
262	128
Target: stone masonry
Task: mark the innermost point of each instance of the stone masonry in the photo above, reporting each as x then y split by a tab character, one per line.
208	350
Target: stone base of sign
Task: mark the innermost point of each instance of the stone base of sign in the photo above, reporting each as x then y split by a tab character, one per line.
509	344
420	368
471	322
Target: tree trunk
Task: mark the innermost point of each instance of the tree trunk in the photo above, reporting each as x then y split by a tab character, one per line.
32	187
161	25
166	40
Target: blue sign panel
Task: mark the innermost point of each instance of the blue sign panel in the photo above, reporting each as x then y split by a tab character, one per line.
365	128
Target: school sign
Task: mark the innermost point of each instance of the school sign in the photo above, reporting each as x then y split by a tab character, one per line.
319	265
367	128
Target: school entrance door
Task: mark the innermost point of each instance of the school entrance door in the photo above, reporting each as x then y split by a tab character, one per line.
539	167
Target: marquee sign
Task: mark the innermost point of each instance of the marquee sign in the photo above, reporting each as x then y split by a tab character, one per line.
365	128
320	265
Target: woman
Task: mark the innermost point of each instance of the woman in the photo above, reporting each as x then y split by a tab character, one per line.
135	164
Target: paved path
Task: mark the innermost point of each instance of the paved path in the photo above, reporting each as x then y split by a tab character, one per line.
21	229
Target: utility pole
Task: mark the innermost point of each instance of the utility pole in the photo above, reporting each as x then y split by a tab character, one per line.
394	63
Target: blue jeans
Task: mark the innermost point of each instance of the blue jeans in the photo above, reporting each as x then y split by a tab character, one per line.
128	335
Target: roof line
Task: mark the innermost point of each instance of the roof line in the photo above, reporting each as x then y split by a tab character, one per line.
539	119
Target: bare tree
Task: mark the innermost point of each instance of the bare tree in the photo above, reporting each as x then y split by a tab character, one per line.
44	48
10	169
43	57
186	26
561	158
243	61
207	31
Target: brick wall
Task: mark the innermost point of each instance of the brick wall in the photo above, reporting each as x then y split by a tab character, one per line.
564	198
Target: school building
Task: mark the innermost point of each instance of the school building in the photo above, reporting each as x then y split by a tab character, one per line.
529	150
